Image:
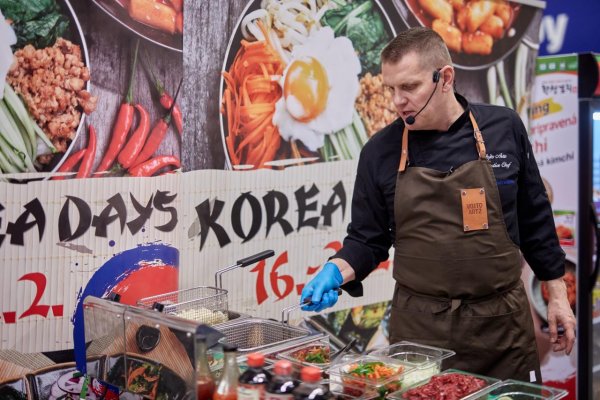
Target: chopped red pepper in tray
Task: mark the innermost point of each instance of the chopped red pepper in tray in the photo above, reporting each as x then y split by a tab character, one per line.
373	374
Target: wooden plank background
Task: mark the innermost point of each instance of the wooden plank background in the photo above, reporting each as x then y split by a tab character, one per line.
110	48
209	26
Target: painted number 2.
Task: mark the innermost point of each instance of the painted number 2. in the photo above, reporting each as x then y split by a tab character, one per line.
36	308
39	280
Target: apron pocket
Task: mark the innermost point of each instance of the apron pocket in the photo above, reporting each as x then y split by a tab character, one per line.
419	319
500	322
495	337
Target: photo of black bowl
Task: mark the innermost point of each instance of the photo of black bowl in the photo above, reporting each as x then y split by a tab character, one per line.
145	377
414	15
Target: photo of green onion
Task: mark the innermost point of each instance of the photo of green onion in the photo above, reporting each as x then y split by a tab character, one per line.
21	139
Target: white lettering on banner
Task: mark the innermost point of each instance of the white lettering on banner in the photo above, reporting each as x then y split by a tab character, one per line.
554	31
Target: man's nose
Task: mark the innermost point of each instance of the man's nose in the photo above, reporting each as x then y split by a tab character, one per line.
399	100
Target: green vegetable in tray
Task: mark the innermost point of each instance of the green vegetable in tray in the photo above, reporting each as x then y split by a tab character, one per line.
35	22
314	355
375	372
362	24
366	368
318	357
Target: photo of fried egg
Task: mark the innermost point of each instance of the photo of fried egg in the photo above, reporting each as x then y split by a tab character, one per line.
320	86
299	82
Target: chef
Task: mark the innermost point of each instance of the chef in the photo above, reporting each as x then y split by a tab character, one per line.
455	188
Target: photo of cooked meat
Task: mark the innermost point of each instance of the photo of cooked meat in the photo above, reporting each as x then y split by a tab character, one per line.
564	232
479	33
52	83
539	294
374	103
468	26
45	92
571	283
166	16
158	21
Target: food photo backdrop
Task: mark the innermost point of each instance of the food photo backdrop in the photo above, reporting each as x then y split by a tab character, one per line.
273	101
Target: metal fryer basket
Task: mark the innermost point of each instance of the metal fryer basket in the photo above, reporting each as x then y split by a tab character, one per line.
202	304
205	304
252	334
184	296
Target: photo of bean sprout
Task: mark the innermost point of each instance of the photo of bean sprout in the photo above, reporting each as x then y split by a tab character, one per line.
297	82
515	96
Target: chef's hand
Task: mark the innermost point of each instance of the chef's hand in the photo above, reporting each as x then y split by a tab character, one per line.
323	288
560	313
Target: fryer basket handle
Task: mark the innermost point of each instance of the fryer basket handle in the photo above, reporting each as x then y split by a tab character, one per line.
244	262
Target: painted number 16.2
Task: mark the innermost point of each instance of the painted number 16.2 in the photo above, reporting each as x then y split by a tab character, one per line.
282	285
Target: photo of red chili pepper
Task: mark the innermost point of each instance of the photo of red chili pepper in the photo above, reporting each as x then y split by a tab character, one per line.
150	167
122	124
157	135
85	170
138	116
165	99
136	142
69	164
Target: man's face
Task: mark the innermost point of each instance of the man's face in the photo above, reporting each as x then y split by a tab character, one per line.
412	84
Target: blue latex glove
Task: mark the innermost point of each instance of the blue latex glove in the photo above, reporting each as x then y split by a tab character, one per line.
323	288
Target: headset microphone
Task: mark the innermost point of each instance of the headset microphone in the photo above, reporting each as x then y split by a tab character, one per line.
436	78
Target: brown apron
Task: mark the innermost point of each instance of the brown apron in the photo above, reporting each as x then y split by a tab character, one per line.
459	287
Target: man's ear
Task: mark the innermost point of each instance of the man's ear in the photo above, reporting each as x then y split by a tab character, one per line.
447	78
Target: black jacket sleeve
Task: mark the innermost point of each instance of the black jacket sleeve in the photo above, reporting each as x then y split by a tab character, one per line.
368	237
538	239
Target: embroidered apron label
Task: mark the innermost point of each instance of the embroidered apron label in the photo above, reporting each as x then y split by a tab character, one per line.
474	209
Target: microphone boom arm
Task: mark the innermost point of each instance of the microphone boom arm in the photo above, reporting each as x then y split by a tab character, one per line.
411	119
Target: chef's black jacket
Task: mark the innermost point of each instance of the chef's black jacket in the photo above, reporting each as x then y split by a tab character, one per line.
525	204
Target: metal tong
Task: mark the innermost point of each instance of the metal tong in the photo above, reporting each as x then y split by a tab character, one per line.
341	352
285	313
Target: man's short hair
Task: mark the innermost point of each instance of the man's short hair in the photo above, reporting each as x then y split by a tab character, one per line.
425	42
